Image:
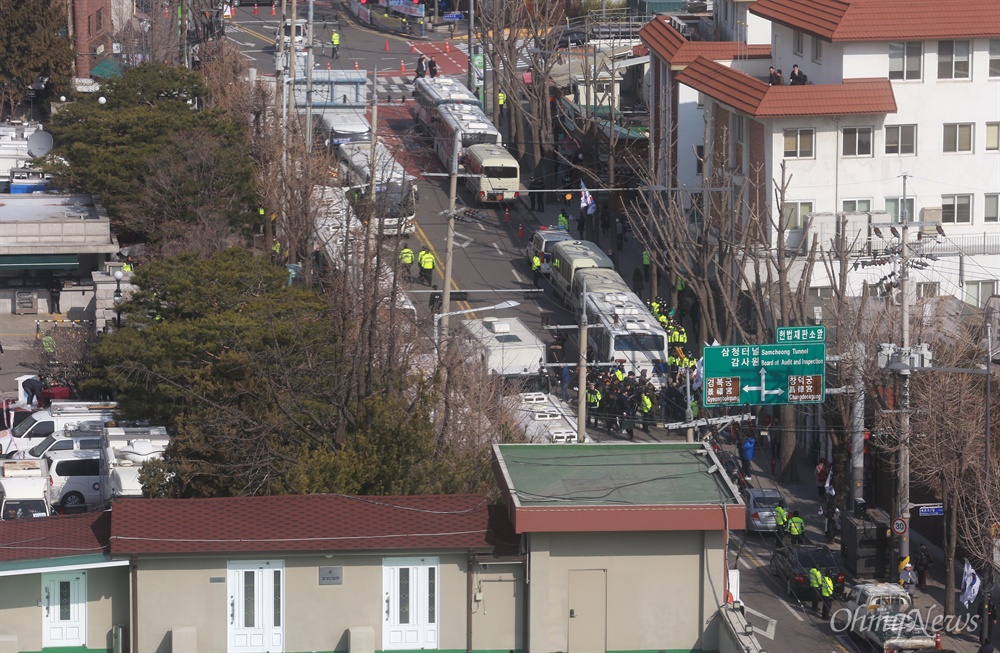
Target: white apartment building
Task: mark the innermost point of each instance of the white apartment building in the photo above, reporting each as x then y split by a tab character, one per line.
895	91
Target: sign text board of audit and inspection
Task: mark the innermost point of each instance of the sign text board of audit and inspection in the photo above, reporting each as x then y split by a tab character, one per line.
765	374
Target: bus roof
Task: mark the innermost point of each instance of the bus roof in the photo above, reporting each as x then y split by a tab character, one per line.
621	312
573	250
386	166
601	280
443	90
483	151
466	118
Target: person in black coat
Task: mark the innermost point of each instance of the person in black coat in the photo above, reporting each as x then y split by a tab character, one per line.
797	78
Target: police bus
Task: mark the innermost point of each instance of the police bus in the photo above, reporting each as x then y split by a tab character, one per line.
493	175
571	256
463	124
430	94
622	330
395	190
596	280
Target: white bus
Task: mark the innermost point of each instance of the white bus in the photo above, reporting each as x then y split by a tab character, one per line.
570	256
597	280
493	174
623	331
431	94
464	124
395	190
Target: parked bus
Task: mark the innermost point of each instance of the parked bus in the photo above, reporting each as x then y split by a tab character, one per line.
571	256
597	280
341	126
493	174
622	330
464	124
395	190
430	94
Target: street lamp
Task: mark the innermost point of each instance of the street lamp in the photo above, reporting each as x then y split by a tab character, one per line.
495	307
118	297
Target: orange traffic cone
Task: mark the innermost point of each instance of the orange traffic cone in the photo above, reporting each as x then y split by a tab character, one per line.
274	11
355	64
328	65
506	214
447	47
255	11
413	48
520	231
387	45
402	66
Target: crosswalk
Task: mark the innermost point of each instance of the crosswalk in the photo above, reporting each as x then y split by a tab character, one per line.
392	88
523	62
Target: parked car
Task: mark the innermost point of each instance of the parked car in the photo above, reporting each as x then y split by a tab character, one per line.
792	563
760	509
77	477
56	443
571	38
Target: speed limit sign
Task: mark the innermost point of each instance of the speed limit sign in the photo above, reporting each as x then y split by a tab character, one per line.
899	526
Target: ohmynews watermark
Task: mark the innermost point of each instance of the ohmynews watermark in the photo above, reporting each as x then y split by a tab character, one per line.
902	623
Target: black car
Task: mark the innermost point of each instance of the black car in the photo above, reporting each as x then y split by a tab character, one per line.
570	38
792	563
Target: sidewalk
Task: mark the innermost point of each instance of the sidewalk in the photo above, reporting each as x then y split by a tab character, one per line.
802	496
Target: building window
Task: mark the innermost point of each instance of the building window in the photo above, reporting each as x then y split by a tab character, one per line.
977	292
928	289
857	206
857	141
699	154
992	205
958	138
994	57
794	212
953	60
799	144
99	20
892	206
737	129
901	139
993	136
817	49
797	42
905	60
956	209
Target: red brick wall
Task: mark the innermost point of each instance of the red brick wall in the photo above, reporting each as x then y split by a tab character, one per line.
757	172
92	31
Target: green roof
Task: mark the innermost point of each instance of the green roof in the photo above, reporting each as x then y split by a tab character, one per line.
107	68
626	474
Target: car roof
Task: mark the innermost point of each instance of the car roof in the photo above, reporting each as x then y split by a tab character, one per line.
762	492
554	234
79	454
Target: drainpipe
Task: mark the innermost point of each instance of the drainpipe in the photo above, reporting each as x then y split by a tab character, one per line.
469	595
134	620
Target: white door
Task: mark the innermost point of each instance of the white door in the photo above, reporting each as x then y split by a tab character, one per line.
409	603
64	609
256	609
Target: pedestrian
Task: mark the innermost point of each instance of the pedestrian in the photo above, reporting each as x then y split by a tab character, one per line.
647	263
537	193
565	381
815	586
536	270
32	390
747	449
55	291
646	408
593	399
1	352
620	231
406	260
432	68
335	43
826	590
772	77
797	78
822	473
832	514
128	265
907	578
987	647
780	520
796	528
637	282
421	66
781	78
605	222
921	564
501	100
563	220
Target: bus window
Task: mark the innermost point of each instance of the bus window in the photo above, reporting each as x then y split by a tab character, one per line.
500	172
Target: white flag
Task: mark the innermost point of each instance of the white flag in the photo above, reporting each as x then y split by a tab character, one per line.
970	585
586	199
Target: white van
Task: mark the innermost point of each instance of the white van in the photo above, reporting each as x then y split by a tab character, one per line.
124	480
58	443
76	478
542	243
24	489
55	419
571	256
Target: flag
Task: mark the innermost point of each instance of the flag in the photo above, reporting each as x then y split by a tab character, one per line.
970	585
587	200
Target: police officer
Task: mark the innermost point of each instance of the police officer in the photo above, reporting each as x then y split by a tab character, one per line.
815	583
593	398
796	528
501	100
406	260
563	220
781	518
536	269
426	262
646	408
826	590
647	262
335	41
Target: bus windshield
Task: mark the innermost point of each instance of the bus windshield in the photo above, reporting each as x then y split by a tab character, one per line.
475	138
500	172
650	342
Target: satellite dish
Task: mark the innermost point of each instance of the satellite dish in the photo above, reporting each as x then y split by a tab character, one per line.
39	144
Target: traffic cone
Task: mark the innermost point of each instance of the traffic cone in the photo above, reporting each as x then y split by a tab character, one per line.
937	642
447	47
402	66
506	214
274	11
520	231
255	11
413	48
387	45
355	64
328	65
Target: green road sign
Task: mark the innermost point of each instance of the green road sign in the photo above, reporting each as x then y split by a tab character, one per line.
787	373
477	62
801	334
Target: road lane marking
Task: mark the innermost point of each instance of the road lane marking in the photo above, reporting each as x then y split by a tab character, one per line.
497	248
744	563
463	245
771	623
481	227
424	240
517	276
791	609
844	647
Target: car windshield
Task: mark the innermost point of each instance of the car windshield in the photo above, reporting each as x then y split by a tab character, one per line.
24	509
766	502
40	448
23	427
820	558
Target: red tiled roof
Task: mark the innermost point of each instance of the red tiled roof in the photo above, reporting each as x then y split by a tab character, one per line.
314	522
756	98
61	536
884	20
671	46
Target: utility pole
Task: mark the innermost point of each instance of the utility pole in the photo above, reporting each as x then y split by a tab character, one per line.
291	60
309	82
372	164
903	480
473	49
857	426
581	398
450	243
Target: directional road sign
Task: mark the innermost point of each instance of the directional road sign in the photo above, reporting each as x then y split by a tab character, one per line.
932	511
455	15
801	334
787	373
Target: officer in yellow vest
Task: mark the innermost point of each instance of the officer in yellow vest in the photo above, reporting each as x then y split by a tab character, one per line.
501	100
426	262
335	40
406	260
536	269
815	580
593	398
826	590
781	518
647	262
646	408
796	528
